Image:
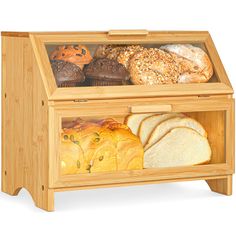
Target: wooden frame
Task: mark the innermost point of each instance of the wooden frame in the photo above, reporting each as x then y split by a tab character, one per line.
32	108
125	37
57	112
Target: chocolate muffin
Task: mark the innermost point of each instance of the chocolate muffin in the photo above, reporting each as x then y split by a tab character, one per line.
67	74
106	72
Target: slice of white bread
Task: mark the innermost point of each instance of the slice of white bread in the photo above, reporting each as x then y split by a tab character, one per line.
149	123
134	120
179	147
167	125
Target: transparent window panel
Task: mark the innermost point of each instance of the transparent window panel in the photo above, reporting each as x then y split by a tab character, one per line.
82	65
141	141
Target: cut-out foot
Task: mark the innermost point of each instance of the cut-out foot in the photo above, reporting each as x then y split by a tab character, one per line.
222	186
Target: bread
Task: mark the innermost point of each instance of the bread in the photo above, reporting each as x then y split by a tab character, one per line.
179	147
106	72
167	125
77	54
110	51
67	74
72	158
153	66
129	150
149	123
195	64
126	54
133	121
98	146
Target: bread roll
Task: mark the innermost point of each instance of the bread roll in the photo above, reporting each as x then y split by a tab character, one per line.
195	64
169	124
153	66
149	123
180	147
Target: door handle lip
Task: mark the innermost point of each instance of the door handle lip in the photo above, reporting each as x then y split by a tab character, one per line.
151	108
141	32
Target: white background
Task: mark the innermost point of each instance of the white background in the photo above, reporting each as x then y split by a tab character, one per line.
166	209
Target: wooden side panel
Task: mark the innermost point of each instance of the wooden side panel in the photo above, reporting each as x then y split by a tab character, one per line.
36	120
12	115
25	124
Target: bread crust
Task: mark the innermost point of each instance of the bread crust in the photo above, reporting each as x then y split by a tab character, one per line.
153	66
173	130
195	64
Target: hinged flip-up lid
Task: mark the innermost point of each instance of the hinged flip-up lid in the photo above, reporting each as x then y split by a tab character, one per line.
44	43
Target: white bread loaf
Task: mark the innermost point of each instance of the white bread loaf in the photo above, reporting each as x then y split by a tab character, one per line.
165	126
195	63
149	123
180	147
133	121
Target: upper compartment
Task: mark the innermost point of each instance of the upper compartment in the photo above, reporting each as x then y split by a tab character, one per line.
126	64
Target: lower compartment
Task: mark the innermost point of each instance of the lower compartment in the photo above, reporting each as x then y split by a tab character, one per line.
117	143
96	144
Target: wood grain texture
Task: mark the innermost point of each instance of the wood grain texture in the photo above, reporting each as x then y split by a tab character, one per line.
33	109
39	40
222	186
25	124
210	113
136	183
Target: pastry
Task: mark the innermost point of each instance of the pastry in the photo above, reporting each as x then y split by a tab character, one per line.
77	54
196	66
149	123
153	66
125	55
110	51
179	147
67	74
164	127
105	72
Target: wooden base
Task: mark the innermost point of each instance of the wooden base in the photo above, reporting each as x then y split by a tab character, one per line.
44	198
222	186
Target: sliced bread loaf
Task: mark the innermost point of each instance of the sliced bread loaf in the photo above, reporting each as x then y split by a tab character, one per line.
133	121
179	147
167	125
149	123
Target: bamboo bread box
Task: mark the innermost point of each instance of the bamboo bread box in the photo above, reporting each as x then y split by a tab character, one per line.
87	110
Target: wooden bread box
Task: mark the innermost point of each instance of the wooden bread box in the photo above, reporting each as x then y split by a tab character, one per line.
34	109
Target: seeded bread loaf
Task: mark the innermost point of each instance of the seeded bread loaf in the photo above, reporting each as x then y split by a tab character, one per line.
104	145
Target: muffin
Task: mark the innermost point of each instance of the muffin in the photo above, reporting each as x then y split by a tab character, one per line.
77	54
106	72
67	74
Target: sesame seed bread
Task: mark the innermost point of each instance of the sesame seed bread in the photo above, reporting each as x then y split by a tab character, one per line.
153	66
179	147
